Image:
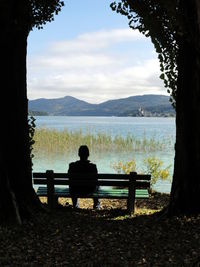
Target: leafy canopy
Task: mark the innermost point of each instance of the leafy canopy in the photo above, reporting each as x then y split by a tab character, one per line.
43	11
156	19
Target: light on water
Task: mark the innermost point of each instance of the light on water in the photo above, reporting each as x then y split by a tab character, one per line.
157	132
137	126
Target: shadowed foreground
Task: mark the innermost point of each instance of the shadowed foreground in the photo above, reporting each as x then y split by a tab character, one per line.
106	237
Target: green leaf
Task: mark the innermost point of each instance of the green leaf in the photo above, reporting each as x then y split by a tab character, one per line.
162	76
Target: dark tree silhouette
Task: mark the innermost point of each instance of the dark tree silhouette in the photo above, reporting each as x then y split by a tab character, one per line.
17	196
185	193
174	28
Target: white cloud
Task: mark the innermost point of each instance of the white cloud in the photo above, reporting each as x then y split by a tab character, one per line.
94	67
95	41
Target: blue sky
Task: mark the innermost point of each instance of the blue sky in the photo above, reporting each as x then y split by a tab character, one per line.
89	52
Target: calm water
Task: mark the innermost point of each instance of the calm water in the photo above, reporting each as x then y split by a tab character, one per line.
162	129
159	127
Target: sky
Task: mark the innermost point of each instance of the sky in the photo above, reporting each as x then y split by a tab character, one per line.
90	53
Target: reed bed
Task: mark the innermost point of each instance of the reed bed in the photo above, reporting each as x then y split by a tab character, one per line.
52	141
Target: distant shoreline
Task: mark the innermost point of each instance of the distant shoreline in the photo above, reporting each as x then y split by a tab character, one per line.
48	115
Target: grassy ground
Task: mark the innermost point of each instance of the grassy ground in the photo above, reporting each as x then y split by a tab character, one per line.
107	237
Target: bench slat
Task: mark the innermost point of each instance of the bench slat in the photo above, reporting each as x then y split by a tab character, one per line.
101	176
139	184
102	193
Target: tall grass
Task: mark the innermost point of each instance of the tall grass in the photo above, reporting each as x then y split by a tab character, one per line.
51	141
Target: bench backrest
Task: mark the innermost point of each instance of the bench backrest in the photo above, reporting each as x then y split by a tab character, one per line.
103	179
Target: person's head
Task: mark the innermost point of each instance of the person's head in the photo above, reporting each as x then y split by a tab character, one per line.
83	152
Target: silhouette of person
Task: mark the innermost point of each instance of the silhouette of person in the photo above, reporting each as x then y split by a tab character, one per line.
83	166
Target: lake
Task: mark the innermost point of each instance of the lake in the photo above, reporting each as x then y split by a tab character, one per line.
161	129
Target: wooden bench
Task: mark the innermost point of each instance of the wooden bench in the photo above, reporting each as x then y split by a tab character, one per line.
111	186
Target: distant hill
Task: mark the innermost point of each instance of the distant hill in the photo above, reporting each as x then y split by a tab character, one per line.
145	105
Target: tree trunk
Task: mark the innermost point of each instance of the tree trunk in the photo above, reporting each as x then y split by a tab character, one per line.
185	193
17	196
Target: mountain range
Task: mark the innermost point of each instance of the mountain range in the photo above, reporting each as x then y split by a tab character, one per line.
141	105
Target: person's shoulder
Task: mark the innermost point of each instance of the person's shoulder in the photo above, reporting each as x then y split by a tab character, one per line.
73	164
92	164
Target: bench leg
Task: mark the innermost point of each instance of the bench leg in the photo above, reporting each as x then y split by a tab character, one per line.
52	202
130	205
131	194
50	189
55	201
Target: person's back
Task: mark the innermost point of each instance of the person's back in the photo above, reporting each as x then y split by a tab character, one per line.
83	167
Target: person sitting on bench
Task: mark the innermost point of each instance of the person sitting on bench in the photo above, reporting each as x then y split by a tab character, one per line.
83	166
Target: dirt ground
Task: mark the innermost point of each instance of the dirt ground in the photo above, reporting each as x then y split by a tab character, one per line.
105	237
